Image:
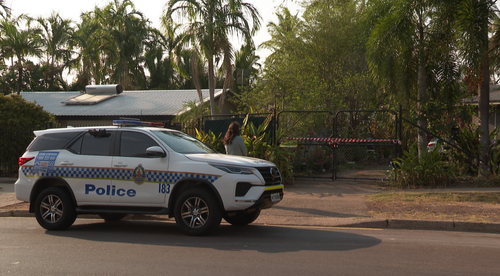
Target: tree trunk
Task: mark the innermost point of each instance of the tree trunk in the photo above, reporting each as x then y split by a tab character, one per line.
421	98
211	84
483	110
20	79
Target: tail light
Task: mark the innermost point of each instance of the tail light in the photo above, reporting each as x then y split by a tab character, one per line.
23	160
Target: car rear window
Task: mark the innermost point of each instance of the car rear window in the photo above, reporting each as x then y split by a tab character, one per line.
52	141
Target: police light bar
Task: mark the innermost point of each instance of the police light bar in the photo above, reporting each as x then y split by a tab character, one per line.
136	123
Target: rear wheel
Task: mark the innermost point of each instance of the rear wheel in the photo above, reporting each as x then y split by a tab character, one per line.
197	212
111	216
242	218
54	209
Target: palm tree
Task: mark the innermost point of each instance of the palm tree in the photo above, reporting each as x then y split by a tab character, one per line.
6	10
56	37
211	22
19	43
246	66
127	30
161	73
473	18
398	50
87	39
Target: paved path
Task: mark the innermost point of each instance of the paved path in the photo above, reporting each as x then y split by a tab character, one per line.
341	203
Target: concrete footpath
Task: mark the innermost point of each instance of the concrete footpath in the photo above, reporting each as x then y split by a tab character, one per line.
308	202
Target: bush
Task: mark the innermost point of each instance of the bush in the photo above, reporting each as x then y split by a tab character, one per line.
18	120
428	171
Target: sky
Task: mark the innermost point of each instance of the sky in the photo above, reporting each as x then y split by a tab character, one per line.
152	9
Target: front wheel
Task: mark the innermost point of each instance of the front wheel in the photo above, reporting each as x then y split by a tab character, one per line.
54	209
242	218
197	212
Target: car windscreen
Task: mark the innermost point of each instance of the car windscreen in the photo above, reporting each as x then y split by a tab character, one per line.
182	143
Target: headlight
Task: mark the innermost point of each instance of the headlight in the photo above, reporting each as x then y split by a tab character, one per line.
231	169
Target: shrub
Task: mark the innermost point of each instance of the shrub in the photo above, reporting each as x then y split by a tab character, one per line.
430	170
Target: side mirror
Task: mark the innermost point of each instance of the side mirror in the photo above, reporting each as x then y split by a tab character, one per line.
155	151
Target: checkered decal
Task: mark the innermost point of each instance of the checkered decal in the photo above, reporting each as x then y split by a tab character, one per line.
115	174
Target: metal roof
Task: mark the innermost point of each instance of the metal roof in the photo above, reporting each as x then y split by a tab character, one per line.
128	103
494	97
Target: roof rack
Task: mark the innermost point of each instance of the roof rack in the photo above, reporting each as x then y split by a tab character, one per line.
123	122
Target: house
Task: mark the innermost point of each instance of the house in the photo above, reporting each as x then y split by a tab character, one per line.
94	108
494	121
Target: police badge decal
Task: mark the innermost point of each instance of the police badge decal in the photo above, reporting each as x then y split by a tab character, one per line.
139	175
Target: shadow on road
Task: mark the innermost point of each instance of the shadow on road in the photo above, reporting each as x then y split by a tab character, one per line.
266	239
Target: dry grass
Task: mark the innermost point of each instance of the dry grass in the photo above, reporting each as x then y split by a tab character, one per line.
452	206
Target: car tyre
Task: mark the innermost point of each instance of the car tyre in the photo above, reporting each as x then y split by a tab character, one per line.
242	218
54	209
197	212
111	216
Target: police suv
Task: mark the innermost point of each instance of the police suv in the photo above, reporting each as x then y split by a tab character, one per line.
133	167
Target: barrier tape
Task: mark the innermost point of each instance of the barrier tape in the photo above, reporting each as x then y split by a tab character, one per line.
344	140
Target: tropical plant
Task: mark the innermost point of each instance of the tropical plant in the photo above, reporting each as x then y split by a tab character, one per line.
426	170
473	18
246	68
210	24
56	36
6	10
126	30
19	43
215	142
403	36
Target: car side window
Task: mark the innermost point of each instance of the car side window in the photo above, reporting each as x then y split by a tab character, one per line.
52	141
92	144
134	144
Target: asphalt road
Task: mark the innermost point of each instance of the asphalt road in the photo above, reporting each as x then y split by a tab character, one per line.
92	247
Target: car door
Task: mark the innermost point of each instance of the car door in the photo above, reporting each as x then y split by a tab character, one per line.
87	166
141	177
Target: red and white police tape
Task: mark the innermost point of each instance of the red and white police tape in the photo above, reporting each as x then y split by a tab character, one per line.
344	140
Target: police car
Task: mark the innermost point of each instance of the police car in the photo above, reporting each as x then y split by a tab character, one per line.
135	167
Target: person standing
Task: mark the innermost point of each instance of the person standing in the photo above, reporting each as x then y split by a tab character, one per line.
233	142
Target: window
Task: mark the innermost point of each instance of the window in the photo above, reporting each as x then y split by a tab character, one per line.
52	141
183	143
134	144
91	144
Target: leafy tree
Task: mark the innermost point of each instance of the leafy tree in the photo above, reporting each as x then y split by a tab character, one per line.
6	10
56	36
210	24
126	30
32	80
19	44
317	63
398	50
473	18
246	68
15	111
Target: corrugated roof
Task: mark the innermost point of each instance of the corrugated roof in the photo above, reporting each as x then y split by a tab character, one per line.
128	103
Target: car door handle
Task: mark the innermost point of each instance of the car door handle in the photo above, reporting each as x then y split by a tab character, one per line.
66	163
120	165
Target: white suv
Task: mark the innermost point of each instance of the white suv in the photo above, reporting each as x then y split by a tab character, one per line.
119	170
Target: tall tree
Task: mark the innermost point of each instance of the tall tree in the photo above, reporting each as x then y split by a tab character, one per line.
87	39
6	10
247	67
473	18
126	30
211	22
19	43
56	36
398	50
